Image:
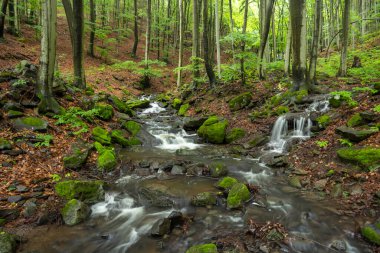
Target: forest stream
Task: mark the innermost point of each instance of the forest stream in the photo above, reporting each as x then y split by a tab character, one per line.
124	221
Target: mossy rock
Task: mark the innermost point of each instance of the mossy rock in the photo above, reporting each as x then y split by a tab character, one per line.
165	98
372	233
376	86
176	104
104	111
101	135
203	248
87	191
75	212
355	135
194	124
226	183
132	127
134	142
355	120
117	136
8	242
121	106
218	169
366	157
323	121
235	134
30	123
238	194
107	157
213	130
258	140
240	102
183	109
300	95
138	104
77	158
282	110
295	182
5	144
335	102
11	114
204	199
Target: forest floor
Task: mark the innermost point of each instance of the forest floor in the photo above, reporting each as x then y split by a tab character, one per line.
36	166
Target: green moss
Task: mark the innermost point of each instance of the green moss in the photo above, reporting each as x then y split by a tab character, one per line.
235	134
138	104
323	121
372	233
30	123
204	199
101	135
335	102
74	212
77	158
163	98
238	194
241	101
281	110
132	127
104	111
5	144
183	110
366	157
213	130
117	136
8	242
300	95
121	106
87	191
134	142
203	248
218	169
226	183
107	160
355	120
14	114
176	103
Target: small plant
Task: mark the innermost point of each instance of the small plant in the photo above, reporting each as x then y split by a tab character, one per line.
365	89
46	139
330	173
20	83
345	142
377	109
344	96
56	178
75	116
322	144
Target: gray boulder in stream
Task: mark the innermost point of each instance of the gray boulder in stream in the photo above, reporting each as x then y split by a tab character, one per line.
155	197
218	169
193	124
161	227
75	212
7	243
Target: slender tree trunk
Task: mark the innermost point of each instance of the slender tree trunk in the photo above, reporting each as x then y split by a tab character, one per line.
206	53
70	18
180	57
78	50
315	45
242	68
93	27
148	30
217	36
3	13
288	49
232	29
12	18
195	53
346	27
136	29
48	57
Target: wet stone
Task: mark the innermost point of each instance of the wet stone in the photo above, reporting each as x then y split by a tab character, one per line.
320	184
161	227
15	199
338	245
178	170
144	164
22	188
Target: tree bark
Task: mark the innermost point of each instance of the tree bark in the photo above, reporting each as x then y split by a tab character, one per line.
93	27
288	49
206	53
217	37
180	57
148	30
346	27
3	13
195	51
315	45
232	29
78	50
48	57
242	68
136	29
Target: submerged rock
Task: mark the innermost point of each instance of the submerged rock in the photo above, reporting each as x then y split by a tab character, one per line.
87	191
7	242
203	248
75	212
30	123
204	199
213	130
161	227
238	194
155	197
355	135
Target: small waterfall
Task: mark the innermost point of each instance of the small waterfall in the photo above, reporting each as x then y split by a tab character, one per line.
290	126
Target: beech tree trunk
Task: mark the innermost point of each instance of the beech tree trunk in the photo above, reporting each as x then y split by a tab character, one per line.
217	37
180	57
136	29
315	44
48	57
346	27
242	68
195	51
206	53
288	49
93	27
3	13
148	30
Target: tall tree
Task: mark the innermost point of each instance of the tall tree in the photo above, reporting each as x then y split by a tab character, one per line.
298	22
3	13
315	44
206	49
232	29
288	49
245	20
148	30
135	29
195	51
217	37
346	26
180	57
93	27
48	57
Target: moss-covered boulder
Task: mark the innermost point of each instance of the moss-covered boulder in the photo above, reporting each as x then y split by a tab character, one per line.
282	109
106	159
241	101
8	243
121	106
132	127
104	111
226	183
257	141
355	120
5	144
30	123
75	212
213	130
176	104
366	157
204	199
117	136
101	135
203	248
12	114
354	134
133	141
87	191
77	157
218	169
323	121
238	194
235	134
372	233
295	182
335	102
138	104
183	109
193	124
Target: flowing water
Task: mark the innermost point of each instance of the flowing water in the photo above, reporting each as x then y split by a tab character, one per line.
122	223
